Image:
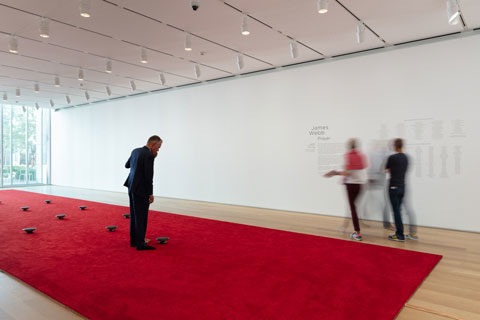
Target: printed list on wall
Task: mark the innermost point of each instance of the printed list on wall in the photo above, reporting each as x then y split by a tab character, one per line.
436	146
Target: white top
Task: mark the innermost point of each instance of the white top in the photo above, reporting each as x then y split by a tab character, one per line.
356	176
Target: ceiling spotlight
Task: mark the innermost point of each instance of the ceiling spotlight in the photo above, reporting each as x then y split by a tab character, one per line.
293	49
240	63
52	104
359	33
37	106
24	109
45	28
80	75
109	92
132	85
13	44
5	98
85	8
57	81
195	4
143	55
67	98
245	29
196	68
36	87
17	92
453	12
108	66
188	43
163	81
322	6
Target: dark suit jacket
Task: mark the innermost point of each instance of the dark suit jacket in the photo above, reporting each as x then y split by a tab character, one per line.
140	179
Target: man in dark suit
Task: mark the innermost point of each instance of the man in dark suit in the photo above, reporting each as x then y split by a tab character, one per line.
140	190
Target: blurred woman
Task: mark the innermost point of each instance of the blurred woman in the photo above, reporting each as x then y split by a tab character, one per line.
355	176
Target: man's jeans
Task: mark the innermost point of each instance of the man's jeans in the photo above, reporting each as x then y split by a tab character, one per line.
396	196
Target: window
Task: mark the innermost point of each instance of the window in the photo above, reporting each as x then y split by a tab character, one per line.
18	147
25	145
6	146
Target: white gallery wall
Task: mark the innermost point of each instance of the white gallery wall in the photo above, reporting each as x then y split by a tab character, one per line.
266	140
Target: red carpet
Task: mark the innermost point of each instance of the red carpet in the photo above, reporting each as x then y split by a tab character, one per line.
208	270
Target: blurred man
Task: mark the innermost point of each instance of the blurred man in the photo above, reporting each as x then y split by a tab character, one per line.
377	180
397	165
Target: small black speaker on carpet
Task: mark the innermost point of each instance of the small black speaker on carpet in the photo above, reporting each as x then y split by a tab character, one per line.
60	216
162	240
29	230
48	201
25	208
126	215
111	228
82	207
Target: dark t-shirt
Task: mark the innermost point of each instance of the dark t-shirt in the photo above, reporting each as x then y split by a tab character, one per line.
397	164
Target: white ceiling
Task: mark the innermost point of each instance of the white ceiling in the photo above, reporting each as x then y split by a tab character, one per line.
117	29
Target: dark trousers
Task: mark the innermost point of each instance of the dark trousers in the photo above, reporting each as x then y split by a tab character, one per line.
410	213
138	218
396	197
353	190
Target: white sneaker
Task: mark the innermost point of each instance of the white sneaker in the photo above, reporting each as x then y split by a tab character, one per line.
411	236
356	236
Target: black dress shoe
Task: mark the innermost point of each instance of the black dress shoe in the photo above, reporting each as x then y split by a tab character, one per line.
146	247
134	244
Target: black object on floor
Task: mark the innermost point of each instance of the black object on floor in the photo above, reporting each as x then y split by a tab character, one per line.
82	207
126	215
25	208
111	228
61	216
29	230
162	240
48	201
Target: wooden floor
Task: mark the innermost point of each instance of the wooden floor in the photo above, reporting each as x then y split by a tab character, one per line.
451	291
